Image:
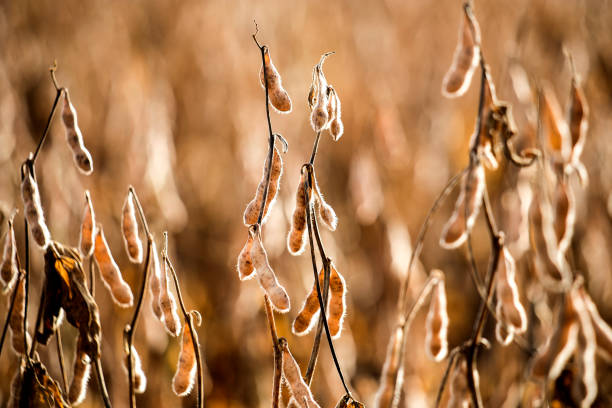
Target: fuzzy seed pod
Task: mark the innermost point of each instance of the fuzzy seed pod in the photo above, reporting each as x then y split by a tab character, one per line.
325	211
251	213
86	239
578	126
267	278
80	377
603	331
245	265
279	98
584	388
16	318
296	240
336	307
110	273
140	379
458	226
155	283
557	129
33	211
490	123
509	310
306	318
392	376
467	54
436	325
129	224
458	387
300	391
336	127
81	155
184	378
8	268
167	303
319	118
565	217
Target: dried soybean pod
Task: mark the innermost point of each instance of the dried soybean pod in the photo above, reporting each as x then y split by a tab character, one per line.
140	379
8	269
337	302
279	98
80	377
251	213
156	283
557	129
509	310
490	122
296	240
578	126
565	217
603	331
584	388
319	117
184	378
86	239
467	54
336	127
129	227
267	278
16	318
110	273
325	211
456	229
436	325
167	303
304	322
392	375
300	391
81	155
245	265
33	209
458	387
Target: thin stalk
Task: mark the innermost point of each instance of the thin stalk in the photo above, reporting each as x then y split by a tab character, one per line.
101	384
140	211
278	356
317	339
60	356
128	331
189	322
58	94
39	315
309	219
449	367
92	286
10	311
315	148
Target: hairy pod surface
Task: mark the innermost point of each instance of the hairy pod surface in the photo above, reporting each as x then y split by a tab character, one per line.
392	376
267	278
80	376
129	227
244	266
8	268
300	391
436	325
509	309
167	303
155	283
296	240
110	273
74	137
251	213
279	98
16	319
33	211
184	378
87	235
306	318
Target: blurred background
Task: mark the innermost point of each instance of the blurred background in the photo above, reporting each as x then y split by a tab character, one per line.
169	101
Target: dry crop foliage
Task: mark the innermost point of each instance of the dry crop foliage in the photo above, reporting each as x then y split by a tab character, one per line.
327	298
67	294
562	368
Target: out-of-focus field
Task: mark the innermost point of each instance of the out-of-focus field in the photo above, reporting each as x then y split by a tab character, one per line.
169	101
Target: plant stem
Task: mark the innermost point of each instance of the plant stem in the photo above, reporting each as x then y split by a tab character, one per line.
278	356
10	311
101	384
60	356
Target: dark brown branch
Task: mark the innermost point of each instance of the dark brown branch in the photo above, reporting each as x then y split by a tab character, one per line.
60	356
278	355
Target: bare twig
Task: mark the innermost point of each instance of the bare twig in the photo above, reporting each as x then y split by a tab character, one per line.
60	356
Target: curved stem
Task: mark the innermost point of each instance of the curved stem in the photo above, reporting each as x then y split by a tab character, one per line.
315	148
60	356
10	311
278	356
58	94
140	211
128	331
317	339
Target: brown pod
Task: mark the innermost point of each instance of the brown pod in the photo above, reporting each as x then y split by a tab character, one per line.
279	98
458	226
319	118
603	331
436	325
557	129
467	54
140	379
296	240
584	387
336	127
81	155
80	377
86	238
110	273
458	387
489	125
16	318
33	211
300	391
8	268
578	127
392	376
245	264
509	310
167	303
565	217
325	211
305	320
336	307
251	213
129	227
267	278
155	283
184	378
